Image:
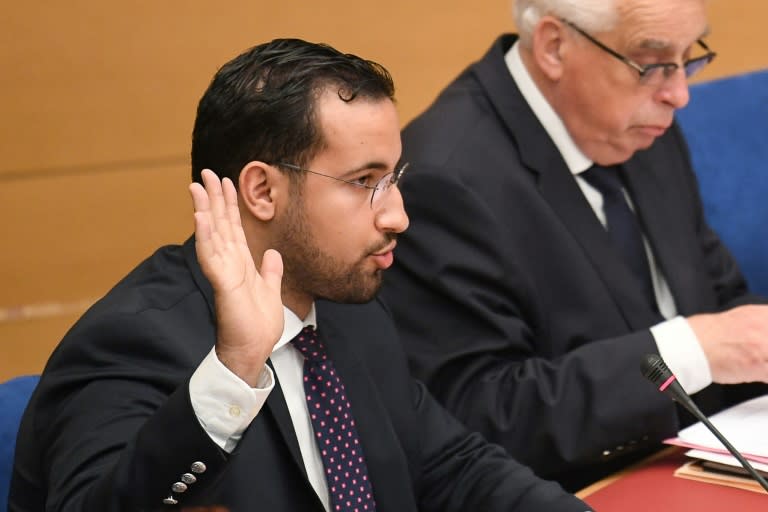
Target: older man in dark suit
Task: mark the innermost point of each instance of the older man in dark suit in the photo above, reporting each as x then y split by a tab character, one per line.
557	236
202	381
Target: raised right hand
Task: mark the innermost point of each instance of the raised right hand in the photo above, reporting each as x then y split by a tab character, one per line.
249	310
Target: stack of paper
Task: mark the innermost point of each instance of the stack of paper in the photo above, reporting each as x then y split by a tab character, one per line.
746	427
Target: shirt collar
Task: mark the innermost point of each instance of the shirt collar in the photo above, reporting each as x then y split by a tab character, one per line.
576	161
293	325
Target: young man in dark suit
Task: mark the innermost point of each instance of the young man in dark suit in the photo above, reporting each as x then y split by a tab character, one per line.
202	381
557	236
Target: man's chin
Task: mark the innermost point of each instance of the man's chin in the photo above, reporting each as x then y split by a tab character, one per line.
617	155
361	293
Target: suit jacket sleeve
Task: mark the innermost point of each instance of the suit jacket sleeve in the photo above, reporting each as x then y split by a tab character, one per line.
114	431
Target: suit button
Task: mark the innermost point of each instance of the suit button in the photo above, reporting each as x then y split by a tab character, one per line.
188	478
179	487
170	501
198	467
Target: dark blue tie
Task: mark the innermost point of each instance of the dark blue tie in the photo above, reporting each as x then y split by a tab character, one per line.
349	487
622	225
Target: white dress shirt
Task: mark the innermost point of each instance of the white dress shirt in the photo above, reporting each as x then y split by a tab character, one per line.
225	405
676	341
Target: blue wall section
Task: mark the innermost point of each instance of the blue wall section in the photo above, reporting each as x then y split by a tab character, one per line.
726	125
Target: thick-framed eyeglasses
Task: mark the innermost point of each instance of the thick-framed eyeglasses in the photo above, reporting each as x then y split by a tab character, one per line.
378	189
654	74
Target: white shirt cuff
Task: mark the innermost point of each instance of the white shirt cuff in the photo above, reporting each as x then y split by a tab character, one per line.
681	350
223	403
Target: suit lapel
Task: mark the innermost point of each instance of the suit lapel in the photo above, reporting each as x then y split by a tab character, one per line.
279	409
656	205
559	188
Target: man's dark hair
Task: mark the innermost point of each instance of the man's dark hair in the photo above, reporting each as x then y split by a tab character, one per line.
261	104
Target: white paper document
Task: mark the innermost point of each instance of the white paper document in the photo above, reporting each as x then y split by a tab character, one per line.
745	425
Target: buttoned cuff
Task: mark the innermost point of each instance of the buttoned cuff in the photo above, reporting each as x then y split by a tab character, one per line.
223	403
681	350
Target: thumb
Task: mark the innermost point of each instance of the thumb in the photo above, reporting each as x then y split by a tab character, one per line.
272	269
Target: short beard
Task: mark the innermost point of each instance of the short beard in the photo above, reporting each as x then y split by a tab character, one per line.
309	270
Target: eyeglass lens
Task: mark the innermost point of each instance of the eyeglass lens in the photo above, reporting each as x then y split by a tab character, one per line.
693	66
381	187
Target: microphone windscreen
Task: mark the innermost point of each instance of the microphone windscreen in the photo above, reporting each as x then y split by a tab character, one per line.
655	369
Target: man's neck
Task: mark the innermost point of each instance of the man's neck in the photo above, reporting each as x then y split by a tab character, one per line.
299	304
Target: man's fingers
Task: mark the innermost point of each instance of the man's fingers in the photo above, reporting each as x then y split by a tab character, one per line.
203	232
233	212
220	222
199	197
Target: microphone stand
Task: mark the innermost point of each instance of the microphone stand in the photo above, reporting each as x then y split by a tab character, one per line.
744	462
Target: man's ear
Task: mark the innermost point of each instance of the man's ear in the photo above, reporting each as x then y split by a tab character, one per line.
261	187
549	47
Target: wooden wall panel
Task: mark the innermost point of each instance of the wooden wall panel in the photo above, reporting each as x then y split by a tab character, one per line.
73	235
97	101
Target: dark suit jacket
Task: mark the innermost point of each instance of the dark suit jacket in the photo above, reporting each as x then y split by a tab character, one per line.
514	307
111	427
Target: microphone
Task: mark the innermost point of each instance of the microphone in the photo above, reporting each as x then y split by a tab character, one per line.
656	370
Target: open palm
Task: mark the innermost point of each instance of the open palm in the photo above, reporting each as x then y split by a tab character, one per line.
249	311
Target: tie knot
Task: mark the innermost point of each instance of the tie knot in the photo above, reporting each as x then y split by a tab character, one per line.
309	345
605	179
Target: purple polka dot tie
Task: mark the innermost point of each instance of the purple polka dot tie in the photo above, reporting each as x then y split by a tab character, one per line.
349	487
